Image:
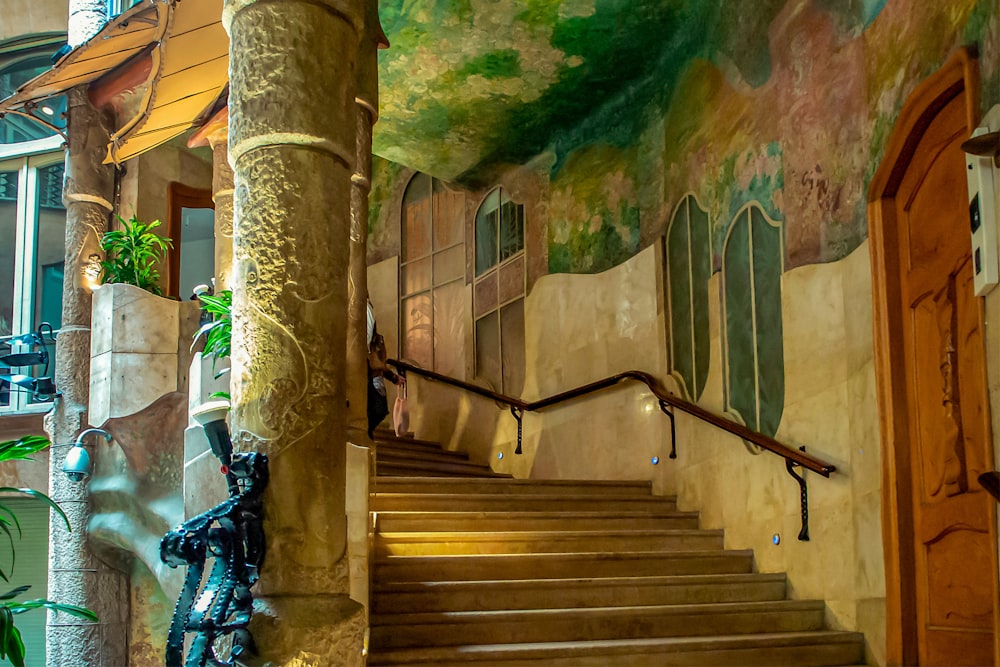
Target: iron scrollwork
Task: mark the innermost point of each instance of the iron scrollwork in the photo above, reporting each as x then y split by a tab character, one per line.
37	343
217	614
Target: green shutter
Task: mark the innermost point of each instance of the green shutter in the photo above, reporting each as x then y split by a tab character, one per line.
30	569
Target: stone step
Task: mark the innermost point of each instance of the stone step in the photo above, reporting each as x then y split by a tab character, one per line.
526	502
503	521
512	487
431	465
568	625
390	471
557	541
559	566
428	596
789	649
416	447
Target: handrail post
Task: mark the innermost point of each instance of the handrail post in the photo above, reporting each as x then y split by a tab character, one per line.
803	495
518	415
664	406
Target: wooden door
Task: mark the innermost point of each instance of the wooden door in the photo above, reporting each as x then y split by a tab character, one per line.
954	540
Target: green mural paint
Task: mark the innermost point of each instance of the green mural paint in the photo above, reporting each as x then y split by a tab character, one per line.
767	260
688	270
679	280
752	267
738	311
492	65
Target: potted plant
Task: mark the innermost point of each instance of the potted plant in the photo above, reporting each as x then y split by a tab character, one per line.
11	646
133	253
217	331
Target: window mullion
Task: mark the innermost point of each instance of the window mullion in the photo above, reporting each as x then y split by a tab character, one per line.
24	254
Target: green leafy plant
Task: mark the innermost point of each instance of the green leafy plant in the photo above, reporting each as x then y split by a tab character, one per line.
218	331
11	645
133	253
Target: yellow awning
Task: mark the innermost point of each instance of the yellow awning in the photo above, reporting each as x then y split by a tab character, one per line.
190	69
127	36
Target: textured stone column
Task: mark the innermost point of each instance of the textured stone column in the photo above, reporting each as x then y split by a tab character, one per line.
222	195
86	17
366	100
76	576
292	147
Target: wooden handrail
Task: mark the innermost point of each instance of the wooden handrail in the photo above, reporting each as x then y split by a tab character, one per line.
765	442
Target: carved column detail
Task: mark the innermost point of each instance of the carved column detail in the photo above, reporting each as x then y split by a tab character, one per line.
222	195
366	99
292	147
76	575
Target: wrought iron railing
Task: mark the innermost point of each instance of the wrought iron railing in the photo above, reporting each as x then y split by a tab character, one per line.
668	402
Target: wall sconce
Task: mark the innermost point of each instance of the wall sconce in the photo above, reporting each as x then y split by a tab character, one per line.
77	464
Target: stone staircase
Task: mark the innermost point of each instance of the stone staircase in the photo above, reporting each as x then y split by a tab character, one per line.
476	569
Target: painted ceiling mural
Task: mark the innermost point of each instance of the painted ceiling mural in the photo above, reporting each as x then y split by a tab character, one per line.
627	106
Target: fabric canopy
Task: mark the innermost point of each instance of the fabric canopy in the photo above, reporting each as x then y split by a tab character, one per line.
189	50
190	71
120	40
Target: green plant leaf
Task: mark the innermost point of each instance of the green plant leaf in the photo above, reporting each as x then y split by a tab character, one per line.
15	646
133	253
72	609
22	448
10	595
6	623
38	495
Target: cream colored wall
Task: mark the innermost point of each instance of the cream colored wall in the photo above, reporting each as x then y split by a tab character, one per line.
581	328
25	17
830	407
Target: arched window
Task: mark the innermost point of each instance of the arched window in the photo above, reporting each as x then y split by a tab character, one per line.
752	259
499	292
432	306
688	269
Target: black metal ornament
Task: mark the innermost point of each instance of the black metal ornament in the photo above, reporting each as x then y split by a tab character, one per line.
217	614
41	388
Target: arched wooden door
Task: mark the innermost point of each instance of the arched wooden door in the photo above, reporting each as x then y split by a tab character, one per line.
941	553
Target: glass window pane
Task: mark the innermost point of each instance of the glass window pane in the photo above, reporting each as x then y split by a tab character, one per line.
51	247
488	350
449	265
449	216
487	222
416	227
449	329
418	330
415	276
511	229
8	226
15	128
512	345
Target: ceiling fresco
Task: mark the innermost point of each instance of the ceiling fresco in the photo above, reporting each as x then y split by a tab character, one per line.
470	84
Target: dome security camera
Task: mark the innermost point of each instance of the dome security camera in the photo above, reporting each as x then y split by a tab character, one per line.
77	464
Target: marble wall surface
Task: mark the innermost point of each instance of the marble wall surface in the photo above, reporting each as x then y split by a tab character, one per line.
581	328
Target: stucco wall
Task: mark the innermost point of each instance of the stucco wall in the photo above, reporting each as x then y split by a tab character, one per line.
25	17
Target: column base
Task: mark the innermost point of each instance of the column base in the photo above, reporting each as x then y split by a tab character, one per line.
308	631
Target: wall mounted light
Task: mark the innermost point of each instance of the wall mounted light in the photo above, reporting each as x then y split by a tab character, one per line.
77	464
